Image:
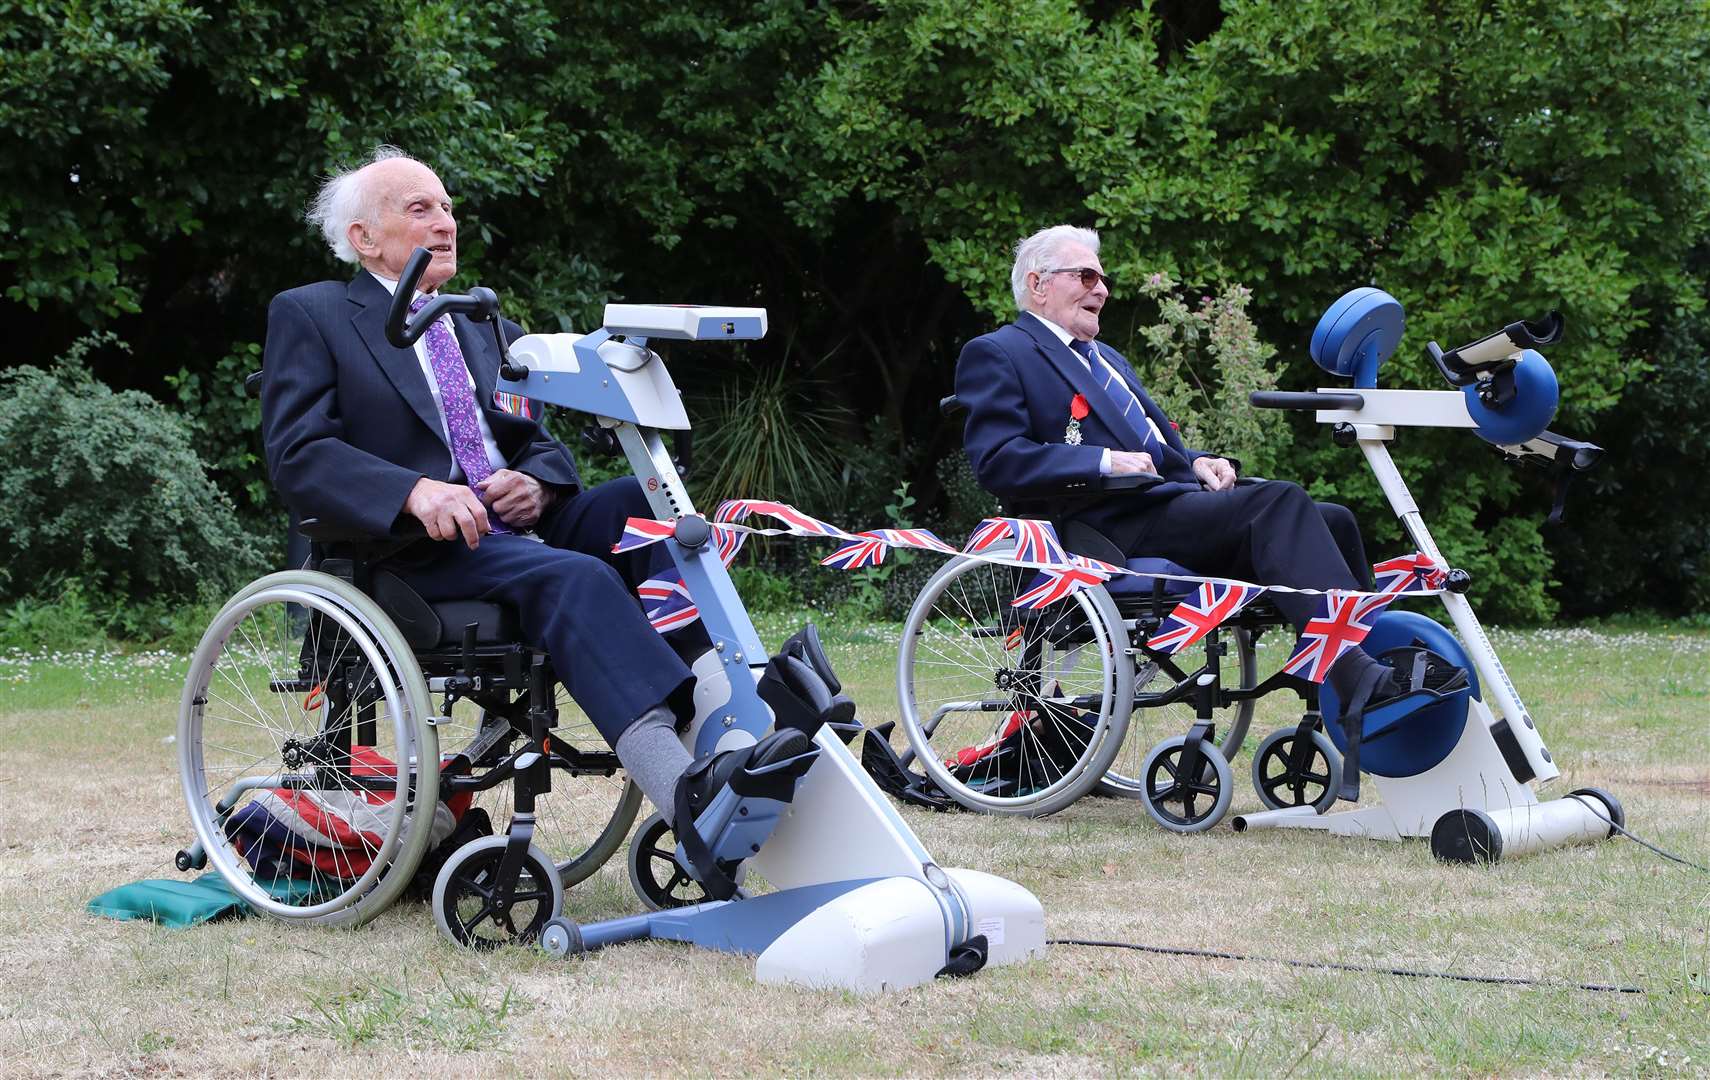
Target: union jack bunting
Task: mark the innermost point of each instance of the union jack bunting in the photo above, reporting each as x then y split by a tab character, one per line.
1201	613
1408	573
911	538
990	532
515	404
640	532
1035	541
869	548
1343	621
869	551
667	604
1051	584
799	523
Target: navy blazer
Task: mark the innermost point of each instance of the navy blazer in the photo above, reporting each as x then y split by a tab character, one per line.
1017	384
348	421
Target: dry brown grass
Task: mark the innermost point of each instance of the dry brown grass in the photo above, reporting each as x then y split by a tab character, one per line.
89	799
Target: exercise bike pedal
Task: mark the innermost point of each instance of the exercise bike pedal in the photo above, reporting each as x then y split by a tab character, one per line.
750	791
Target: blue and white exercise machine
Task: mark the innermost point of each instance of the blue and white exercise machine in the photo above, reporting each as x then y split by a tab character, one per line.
1460	770
858	903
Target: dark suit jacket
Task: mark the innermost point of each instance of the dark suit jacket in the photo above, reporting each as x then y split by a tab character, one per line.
348	420
1017	384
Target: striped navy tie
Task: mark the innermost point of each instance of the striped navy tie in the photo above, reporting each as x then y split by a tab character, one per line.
1117	387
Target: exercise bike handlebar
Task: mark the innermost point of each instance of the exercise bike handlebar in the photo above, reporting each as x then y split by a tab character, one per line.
1306	400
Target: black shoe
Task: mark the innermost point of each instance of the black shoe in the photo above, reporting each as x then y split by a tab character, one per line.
1416	673
768	769
703	780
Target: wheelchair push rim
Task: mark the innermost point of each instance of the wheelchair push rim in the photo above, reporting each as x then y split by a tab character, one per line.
987	690
254	750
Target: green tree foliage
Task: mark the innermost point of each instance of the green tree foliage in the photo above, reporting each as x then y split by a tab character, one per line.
864	169
106	490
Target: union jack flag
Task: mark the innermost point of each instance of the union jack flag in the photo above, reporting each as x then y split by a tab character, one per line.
1053	583
1408	573
640	532
1201	613
1343	621
989	532
857	553
869	548
515	404
799	523
1035	541
667	603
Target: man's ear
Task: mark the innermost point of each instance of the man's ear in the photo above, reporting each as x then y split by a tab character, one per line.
360	238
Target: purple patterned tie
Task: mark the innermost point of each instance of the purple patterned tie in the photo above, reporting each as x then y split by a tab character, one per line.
457	402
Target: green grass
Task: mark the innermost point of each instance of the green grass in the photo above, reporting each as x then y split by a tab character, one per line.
89	799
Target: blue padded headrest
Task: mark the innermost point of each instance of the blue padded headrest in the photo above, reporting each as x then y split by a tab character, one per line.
1358	333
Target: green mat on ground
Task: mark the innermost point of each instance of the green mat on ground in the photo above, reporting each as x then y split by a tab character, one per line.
186	903
171	903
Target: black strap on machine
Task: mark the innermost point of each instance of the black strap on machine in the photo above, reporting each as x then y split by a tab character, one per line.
966	958
718	884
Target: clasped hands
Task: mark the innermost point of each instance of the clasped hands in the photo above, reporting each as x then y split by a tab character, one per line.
1214	472
450	511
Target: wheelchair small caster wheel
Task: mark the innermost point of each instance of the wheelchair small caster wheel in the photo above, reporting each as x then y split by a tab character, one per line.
473	907
561	938
653	871
1280	785
187	861
1182	804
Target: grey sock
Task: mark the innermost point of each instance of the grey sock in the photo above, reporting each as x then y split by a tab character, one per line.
654	757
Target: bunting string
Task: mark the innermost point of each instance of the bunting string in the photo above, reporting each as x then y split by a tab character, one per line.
1344	618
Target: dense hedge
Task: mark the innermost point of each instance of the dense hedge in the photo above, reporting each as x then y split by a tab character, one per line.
862	170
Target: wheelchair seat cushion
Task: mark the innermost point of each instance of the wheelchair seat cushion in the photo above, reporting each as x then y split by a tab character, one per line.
440	625
1140	583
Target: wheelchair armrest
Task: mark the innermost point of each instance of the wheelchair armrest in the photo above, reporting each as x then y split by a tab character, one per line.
405	529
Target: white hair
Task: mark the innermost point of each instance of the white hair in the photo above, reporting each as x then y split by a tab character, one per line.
344	198
1038	252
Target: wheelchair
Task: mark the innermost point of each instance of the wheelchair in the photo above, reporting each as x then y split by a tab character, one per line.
327	770
1023	711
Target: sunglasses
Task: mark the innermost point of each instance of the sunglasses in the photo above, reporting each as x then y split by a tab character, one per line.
1089	277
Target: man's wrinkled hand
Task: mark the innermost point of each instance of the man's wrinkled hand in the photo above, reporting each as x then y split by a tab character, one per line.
1216	473
1131	462
448	511
518	498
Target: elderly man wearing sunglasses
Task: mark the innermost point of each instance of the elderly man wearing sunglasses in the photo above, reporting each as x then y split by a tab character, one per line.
1051	409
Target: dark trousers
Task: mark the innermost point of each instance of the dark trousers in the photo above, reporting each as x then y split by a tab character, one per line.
575	599
1269	532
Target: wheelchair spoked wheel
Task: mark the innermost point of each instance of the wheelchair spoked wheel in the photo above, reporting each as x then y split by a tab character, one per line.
1281	783
1009	710
471	907
583	821
1148	726
1181	804
303	719
653	871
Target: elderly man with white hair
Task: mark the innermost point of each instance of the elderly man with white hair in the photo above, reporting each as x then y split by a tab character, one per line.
362	434
1051	409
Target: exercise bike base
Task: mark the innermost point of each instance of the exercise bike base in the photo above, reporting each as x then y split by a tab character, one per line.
865	935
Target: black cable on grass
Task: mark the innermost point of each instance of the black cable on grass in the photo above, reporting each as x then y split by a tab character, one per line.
1647	844
1364	969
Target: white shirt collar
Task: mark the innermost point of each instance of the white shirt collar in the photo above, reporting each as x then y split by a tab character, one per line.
391	284
1063	335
